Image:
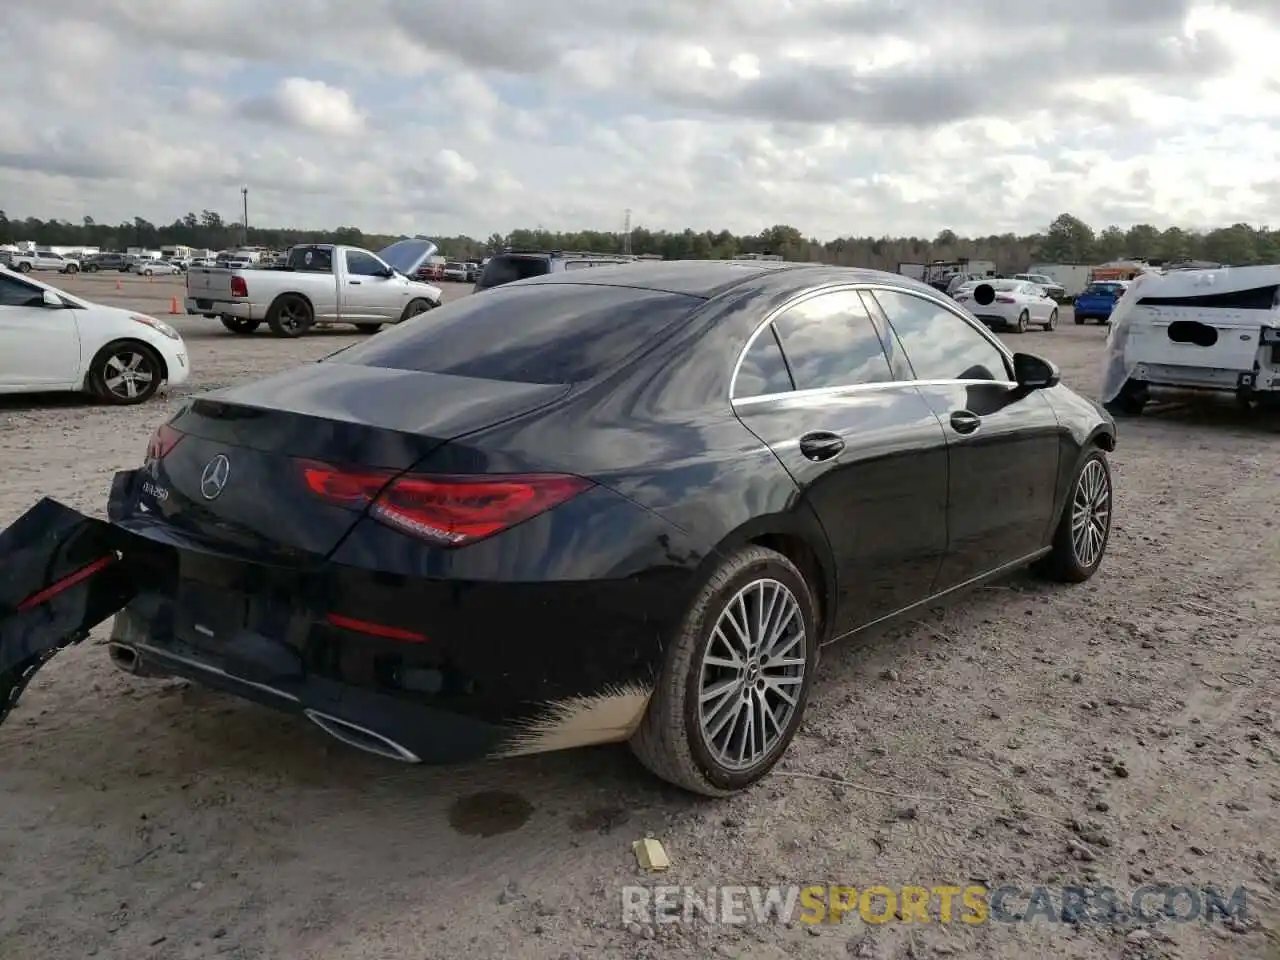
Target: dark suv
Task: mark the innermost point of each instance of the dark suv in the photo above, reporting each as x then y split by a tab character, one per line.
107	261
521	265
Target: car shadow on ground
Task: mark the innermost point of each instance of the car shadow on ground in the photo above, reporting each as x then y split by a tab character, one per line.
26	402
1207	410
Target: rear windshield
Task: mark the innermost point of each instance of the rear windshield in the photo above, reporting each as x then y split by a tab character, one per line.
1112	289
508	269
545	333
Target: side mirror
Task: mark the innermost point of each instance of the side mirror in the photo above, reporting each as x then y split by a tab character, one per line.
51	299
1035	373
387	272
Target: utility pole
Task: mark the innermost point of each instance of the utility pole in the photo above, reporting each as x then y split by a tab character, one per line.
244	195
626	234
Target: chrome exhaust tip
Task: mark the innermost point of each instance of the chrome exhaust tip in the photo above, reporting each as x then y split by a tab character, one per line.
357	736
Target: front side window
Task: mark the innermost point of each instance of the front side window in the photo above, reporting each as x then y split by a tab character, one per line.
830	341
939	344
363	264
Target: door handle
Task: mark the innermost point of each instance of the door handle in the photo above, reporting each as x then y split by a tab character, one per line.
962	421
820	446
354	283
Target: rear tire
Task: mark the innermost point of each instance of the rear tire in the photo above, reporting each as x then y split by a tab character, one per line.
24	268
72	269
240	325
1084	529
1130	401
688	738
126	372
290	316
1023	320
91	268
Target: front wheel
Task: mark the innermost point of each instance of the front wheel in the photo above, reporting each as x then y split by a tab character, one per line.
1130	401
1084	529
1023	320
736	679
416	308
91	268
240	325
1053	321
126	373
24	268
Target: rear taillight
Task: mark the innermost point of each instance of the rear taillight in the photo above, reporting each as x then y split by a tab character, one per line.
162	441
450	511
238	287
1005	300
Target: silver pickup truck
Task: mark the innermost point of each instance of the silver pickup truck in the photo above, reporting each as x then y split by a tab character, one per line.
317	285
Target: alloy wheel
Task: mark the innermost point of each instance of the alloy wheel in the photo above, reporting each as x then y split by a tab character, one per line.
753	669
1091	513
128	374
292	315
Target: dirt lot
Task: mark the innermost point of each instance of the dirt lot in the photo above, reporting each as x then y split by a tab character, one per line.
152	819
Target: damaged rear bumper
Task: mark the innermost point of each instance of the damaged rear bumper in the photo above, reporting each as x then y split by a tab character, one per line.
62	574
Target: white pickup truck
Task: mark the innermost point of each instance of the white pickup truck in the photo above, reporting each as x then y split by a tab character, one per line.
319	284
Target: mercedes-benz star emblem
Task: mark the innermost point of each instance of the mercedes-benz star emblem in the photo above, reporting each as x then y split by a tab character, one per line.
214	479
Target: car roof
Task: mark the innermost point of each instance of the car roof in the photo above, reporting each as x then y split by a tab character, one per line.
694	278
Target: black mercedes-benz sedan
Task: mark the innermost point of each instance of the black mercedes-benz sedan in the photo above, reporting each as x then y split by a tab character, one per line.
623	504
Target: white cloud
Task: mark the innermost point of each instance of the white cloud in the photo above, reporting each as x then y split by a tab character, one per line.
874	117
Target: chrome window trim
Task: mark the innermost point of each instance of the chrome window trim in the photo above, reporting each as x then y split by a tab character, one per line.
870	287
858	388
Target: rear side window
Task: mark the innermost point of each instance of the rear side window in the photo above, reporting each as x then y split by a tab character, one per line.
310	259
830	341
763	370
554	333
510	269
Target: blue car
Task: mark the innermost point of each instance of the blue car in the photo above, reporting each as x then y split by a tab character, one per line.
1098	300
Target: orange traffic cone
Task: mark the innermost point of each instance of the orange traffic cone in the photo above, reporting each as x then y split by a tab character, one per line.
119	285
173	306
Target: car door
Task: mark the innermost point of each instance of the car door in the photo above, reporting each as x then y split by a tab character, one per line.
368	294
1002	441
862	445
39	344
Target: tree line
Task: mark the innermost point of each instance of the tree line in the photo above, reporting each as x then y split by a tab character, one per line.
1067	240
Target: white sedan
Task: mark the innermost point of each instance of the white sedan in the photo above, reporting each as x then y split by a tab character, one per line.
157	268
51	341
1009	304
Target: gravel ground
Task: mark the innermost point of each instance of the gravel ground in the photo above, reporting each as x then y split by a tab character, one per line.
154	819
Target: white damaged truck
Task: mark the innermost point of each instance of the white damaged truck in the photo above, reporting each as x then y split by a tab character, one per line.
317	285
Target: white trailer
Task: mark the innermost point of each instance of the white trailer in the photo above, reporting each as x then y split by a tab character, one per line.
1071	277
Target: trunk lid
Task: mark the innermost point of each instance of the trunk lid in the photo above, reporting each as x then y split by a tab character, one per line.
235	482
209	283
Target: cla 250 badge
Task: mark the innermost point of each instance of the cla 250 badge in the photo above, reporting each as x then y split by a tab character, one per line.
151	490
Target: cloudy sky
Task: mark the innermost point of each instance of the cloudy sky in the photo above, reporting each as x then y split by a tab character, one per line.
837	116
